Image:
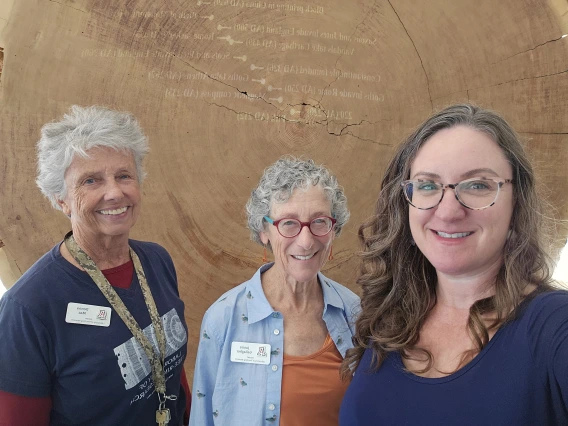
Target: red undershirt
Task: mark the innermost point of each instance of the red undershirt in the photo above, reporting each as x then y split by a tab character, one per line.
24	410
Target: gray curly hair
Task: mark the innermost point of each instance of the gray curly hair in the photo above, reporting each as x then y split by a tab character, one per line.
82	129
279	182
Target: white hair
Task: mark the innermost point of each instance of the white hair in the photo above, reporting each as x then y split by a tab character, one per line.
82	129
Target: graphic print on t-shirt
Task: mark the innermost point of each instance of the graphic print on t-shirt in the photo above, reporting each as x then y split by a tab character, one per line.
131	358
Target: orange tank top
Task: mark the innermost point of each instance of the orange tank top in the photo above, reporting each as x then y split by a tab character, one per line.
311	388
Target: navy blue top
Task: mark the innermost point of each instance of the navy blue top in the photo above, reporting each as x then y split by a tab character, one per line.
519	378
94	375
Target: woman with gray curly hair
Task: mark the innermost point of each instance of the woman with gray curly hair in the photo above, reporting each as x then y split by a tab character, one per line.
82	321
270	349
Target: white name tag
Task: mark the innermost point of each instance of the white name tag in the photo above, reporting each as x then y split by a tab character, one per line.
250	353
79	313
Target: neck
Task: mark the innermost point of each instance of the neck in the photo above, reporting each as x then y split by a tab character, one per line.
284	293
106	251
461	292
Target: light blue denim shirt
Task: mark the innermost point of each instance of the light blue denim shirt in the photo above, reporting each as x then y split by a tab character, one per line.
229	393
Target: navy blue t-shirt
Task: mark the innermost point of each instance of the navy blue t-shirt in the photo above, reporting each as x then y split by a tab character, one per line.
94	375
519	378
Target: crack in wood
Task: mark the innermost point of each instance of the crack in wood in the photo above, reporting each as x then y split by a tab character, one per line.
499	84
543	133
338	264
325	123
418	53
341	55
173	55
1	66
66	5
528	78
529	50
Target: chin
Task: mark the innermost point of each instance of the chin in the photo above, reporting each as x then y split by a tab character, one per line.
116	232
449	261
304	276
455	268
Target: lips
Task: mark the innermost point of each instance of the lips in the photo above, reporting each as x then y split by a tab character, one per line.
114	212
307	257
453	235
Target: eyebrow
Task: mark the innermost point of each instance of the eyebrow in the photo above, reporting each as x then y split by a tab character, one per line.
91	173
466	175
477	172
85	175
295	216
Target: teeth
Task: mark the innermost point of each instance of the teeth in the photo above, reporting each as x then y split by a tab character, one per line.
303	257
114	212
456	235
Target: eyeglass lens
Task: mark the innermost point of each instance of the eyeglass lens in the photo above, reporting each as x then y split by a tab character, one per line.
320	226
476	194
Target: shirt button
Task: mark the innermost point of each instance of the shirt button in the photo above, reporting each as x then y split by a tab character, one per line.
271	407
275	315
276	331
274	367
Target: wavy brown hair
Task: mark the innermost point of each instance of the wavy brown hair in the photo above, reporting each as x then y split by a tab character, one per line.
399	283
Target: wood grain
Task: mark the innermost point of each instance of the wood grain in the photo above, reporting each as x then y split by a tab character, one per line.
225	87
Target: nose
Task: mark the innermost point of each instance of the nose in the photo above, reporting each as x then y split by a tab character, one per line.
450	208
113	191
305	238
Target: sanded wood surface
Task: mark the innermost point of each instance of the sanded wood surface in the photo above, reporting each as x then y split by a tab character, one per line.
225	87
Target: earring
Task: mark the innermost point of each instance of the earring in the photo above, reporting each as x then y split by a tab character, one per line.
412	242
330	257
264	257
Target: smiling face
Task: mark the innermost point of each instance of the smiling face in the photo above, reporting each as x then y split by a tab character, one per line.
103	195
300	258
458	241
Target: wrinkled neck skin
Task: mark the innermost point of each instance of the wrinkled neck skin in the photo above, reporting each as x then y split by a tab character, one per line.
462	291
106	251
288	295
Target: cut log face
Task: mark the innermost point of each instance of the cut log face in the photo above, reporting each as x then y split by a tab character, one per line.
225	87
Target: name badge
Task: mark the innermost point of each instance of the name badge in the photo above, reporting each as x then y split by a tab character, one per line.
250	353
79	313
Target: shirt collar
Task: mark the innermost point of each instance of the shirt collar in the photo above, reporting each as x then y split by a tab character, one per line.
330	294
258	307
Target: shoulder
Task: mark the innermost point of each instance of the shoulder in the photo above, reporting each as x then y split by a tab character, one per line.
51	266
149	248
151	252
548	304
31	306
342	298
227	302
348	297
545	319
219	316
248	291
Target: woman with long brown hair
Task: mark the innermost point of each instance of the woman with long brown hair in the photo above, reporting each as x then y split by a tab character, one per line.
460	323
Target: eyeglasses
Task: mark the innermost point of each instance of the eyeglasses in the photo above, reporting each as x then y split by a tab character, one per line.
474	194
289	228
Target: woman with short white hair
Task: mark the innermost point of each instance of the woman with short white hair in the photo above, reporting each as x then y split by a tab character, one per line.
95	327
